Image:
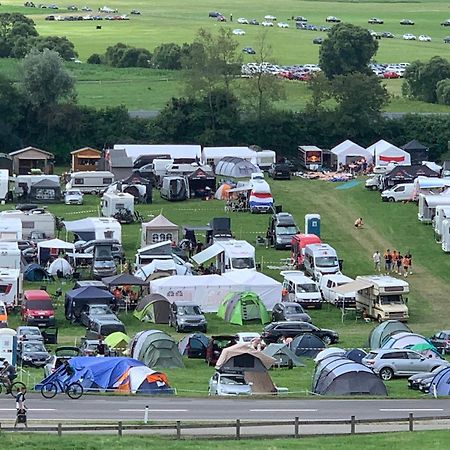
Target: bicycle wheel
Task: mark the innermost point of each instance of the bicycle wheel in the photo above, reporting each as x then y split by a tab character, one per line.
74	390
49	390
15	386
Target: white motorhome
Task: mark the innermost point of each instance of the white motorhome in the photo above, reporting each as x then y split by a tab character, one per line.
90	182
36	222
4	184
399	193
320	259
442	213
113	203
301	289
20	181
328	285
10	229
428	204
95	228
10	255
11	287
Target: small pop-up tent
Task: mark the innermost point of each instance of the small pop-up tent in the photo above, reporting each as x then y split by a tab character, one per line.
240	307
341	376
382	331
194	345
404	340
283	355
34	272
153	308
156	349
307	345
440	385
117	340
60	266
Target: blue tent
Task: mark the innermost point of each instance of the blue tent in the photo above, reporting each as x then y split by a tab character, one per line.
34	272
194	345
355	354
77	298
440	385
117	374
307	345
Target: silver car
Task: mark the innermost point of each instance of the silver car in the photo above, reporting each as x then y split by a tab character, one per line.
388	363
228	384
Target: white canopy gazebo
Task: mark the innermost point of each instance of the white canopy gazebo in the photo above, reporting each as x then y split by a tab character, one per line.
347	152
384	153
54	246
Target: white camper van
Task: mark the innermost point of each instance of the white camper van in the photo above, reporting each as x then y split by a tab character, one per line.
320	259
399	193
328	284
10	255
428	204
34	222
301	289
10	229
11	287
113	203
90	182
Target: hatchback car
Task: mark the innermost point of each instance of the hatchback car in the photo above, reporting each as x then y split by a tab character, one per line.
61	354
25	333
96	311
376	21
390	363
228	384
73	197
187	316
249	50
406	22
332	19
32	353
286	311
409	37
424	38
282	25
238	32
267	23
242	20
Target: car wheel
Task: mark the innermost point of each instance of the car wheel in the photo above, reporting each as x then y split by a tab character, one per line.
391	199
326	340
374	188
386	374
178	329
379	319
273	318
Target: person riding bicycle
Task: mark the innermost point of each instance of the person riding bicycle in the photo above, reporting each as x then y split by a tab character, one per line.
7	375
69	370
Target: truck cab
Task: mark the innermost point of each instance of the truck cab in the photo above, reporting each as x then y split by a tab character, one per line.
301	289
320	259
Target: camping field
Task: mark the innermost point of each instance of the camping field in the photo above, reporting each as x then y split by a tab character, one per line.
387	225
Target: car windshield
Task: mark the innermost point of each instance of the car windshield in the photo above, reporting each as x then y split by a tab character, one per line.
326	261
391	300
103	309
243	263
45	305
294	309
191	310
31	331
232	380
309	287
248	338
286	230
34	347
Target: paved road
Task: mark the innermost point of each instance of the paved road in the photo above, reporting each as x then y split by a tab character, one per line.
91	407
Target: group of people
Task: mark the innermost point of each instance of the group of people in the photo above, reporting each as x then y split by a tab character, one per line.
237	205
394	262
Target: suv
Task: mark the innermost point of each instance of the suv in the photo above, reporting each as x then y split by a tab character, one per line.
37	308
388	363
280	171
275	331
289	311
96	311
186	316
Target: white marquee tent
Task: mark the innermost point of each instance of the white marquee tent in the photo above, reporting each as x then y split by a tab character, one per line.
384	153
347	151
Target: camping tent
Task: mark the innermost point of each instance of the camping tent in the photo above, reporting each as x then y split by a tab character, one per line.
407	174
194	345
440	385
342	376
222	191
355	354
117	340
60	265
124	279
403	340
383	331
45	191
156	349
307	345
385	153
153	308
119	374
239	307
426	349
45	248
76	299
283	355
347	152
34	272
158	229
159	268
235	167
327	352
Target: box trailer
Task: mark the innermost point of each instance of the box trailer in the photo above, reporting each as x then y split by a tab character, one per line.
310	157
90	182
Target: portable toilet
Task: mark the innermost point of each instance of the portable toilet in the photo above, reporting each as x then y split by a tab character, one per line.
445	237
8	345
312	224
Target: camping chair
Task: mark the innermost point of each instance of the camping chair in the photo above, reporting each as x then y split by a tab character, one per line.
260	241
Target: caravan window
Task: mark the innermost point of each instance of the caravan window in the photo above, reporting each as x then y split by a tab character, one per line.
79	181
107	180
120	206
242	263
29	225
108	234
155	237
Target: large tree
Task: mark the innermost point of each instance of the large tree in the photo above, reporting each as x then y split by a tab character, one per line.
15	27
347	48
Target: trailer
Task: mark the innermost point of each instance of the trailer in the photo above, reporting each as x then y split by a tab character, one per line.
10	255
11	229
310	156
36	223
11	287
90	182
113	204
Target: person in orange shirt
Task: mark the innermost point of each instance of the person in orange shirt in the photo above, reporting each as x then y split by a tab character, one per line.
405	264
394	260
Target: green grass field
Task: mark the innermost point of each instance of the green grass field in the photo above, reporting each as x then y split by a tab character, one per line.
387	225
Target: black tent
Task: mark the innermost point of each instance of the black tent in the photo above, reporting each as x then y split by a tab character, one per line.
307	345
200	180
417	150
45	191
136	179
407	174
76	299
124	279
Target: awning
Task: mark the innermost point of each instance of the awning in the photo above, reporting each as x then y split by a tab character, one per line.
208	253
353	286
241	189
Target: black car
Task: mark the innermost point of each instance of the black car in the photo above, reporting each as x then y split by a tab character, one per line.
414	381
275	331
441	340
248	50
187	316
253	22
406	22
300	19
214	14
287	311
447	40
33	353
387	34
376	21
280	171
95	311
318	41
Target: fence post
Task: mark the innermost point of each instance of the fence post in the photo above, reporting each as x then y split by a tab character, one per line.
146	415
296	435
178	429
238	429
411	422
120	429
59	429
352	425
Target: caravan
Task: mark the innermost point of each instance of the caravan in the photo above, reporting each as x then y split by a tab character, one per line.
10	255
442	213
11	287
265	159
35	223
90	182
11	229
428	204
445	235
320	259
95	228
4	184
113	204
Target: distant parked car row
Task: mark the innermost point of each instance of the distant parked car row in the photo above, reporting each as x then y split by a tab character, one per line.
88	17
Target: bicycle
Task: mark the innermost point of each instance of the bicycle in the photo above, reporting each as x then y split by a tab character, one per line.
73	390
14	386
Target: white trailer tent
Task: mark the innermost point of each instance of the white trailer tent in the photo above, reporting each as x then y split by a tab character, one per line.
232	167
347	152
95	228
53	247
10	229
212	155
182	153
158	229
112	203
384	153
428	204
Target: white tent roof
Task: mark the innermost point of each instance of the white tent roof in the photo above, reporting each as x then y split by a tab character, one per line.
220	152
60	264
385	152
435	200
175	151
349	148
250	277
160	222
90	224
56	243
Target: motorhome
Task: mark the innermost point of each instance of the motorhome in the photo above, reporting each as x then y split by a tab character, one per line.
301	289
11	287
298	244
4	184
380	297
320	259
23	183
10	229
327	286
282	229
442	213
428	204
90	182
175	188
265	159
399	193
10	255
310	157
113	204
95	228
260	198
34	222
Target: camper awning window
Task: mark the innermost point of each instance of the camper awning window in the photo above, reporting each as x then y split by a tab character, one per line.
208	253
353	286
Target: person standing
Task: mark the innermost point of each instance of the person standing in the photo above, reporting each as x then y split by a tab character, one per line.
409	256
399	263
394	260
376	261
405	264
21	408
387	261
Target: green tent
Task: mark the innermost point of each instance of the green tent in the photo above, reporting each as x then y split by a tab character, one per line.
240	307
117	340
153	308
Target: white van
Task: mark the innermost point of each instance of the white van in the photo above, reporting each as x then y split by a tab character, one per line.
11	287
320	259
36	221
113	203
90	182
328	284
301	289
399	193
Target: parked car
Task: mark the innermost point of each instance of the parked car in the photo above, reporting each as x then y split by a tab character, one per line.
445	23
135	12
242	20
86	8
390	363
104	327
424	38
270	17
441	340
274	331
376	21
318	41
61	354
246	337
332	19
267	23
287	311
88	247
187	316
414	381
406	22
253	22
387	34
73	197
37	308
300	19
248	50
391	74
446	40
409	37
25	333
282	25
215	14
228	384
95	311
32	353
280	171
238	32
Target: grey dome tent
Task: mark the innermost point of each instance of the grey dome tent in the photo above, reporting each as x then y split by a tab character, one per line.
153	308
233	167
385	329
307	345
440	385
194	345
156	349
403	340
355	354
342	376
327	352
283	355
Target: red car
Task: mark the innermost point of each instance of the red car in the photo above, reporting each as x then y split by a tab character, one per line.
391	75
37	309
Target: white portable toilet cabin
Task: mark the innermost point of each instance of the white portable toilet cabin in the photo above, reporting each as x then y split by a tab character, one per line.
112	203
446	236
442	213
428	204
8	345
